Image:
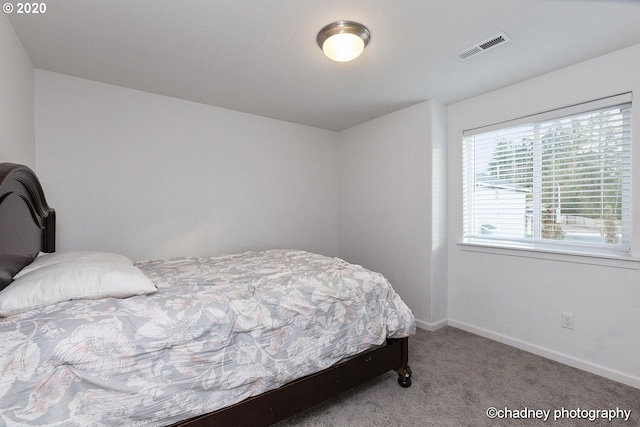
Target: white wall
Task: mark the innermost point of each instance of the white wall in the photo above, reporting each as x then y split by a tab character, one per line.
517	299
156	177
386	202
17	141
439	217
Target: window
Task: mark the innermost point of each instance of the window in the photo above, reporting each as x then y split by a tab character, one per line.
559	180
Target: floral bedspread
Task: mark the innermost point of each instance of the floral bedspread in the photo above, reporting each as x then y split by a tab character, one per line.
218	330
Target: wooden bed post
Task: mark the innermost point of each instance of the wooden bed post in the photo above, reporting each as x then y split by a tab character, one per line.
404	371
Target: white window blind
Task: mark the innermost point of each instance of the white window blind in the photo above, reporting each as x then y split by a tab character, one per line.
557	180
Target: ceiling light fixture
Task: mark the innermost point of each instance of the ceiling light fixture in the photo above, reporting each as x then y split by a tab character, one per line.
343	40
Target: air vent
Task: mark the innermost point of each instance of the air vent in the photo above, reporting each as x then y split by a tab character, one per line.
482	46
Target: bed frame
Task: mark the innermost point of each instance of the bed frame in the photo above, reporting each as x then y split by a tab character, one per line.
27	223
27	226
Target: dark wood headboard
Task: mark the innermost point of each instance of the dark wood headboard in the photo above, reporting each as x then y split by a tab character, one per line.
27	223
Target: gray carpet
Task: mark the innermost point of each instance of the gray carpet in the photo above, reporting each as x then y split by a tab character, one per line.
457	376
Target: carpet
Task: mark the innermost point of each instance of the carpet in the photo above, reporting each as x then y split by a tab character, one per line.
461	379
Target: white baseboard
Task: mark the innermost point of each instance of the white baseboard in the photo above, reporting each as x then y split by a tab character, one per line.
602	371
433	326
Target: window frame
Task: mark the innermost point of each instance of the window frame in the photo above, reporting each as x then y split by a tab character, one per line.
471	241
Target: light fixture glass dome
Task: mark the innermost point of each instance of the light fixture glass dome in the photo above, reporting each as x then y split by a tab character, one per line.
343	40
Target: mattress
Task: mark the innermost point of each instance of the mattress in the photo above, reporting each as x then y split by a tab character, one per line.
219	330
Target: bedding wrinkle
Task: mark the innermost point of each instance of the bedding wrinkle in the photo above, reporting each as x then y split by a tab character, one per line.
98	348
48	392
19	359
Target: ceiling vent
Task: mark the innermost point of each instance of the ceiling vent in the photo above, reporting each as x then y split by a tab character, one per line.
483	46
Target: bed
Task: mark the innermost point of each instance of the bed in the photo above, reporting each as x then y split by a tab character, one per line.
234	340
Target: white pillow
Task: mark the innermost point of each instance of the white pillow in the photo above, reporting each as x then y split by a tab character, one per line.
69	280
44	259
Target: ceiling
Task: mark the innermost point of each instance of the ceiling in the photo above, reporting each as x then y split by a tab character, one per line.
261	57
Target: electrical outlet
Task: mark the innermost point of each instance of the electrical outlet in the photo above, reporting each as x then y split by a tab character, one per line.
566	320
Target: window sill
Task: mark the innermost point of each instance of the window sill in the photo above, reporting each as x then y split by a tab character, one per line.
627	262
